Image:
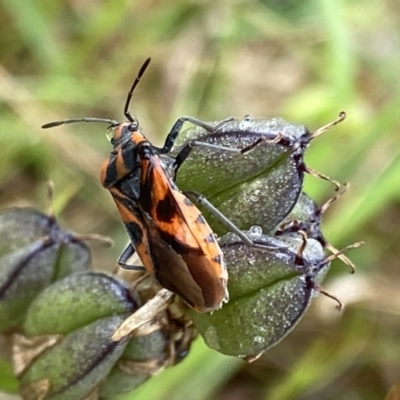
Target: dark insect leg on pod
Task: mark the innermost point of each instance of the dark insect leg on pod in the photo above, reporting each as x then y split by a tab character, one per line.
230	225
176	128
275	140
185	151
124	257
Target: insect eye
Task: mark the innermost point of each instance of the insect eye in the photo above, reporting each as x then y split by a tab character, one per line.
132	127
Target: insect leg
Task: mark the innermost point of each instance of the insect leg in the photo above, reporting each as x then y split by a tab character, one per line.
176	128
124	257
229	224
185	151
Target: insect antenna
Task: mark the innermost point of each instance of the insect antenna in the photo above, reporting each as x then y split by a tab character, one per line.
111	122
142	70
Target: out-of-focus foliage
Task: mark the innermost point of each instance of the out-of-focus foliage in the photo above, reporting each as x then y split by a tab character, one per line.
304	61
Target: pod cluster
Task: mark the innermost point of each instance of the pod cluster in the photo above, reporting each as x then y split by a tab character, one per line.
58	317
67	322
260	190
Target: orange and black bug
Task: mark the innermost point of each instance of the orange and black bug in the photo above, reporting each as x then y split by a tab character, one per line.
172	239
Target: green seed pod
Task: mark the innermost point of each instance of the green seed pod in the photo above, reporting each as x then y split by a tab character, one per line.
269	293
73	367
118	382
143	356
218	170
65	324
236	183
260	182
162	339
87	296
34	252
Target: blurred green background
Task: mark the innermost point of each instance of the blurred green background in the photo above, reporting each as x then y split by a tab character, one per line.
302	60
